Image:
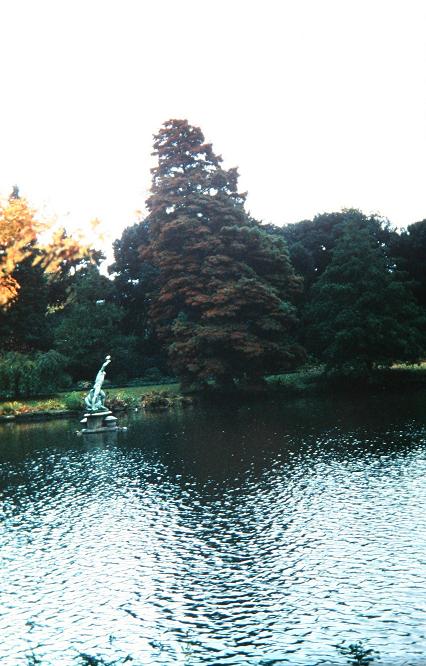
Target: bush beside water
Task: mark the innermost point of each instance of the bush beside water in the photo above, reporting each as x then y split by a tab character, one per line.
26	375
161	400
121	401
73	401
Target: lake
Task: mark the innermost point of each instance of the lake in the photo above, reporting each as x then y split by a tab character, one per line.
256	535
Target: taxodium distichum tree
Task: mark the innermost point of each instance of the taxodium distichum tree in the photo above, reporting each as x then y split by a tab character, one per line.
223	303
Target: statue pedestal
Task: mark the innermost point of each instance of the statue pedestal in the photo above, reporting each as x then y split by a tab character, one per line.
98	422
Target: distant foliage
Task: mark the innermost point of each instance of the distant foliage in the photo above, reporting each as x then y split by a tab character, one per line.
311	242
25	375
409	250
89	326
361	315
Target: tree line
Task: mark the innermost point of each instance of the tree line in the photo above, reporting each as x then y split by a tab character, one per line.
202	291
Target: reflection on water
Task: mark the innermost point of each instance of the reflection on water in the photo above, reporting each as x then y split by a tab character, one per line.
259	535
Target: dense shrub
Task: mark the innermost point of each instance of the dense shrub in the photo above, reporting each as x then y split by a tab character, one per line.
120	402
50	367
15	407
160	400
25	375
50	405
74	401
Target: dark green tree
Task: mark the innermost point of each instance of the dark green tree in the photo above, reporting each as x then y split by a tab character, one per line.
361	315
24	326
89	327
311	242
25	375
224	286
133	282
409	249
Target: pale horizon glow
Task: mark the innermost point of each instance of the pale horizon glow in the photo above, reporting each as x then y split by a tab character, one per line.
321	104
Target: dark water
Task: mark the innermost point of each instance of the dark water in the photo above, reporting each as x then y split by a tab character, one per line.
262	535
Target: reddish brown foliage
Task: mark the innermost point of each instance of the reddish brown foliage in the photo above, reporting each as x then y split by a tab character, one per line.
224	289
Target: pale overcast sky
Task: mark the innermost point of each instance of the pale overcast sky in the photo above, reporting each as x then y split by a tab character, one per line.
320	103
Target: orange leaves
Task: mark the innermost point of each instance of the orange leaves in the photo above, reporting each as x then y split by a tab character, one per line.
18	228
20	231
61	248
166	297
216	312
196	299
9	289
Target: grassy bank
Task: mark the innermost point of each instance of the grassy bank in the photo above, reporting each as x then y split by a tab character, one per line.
309	381
72	401
314	381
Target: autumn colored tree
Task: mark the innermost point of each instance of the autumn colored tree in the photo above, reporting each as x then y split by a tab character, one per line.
224	287
20	232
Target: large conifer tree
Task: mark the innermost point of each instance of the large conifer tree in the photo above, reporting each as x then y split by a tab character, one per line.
224	290
361	314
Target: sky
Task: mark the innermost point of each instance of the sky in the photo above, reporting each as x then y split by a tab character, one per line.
321	104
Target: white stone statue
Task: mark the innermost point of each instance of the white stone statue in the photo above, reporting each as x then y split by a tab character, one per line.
94	400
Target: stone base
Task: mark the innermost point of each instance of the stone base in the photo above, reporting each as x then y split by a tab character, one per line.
103	434
99	422
89	431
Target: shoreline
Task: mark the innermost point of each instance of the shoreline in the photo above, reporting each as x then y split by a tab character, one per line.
47	415
305	383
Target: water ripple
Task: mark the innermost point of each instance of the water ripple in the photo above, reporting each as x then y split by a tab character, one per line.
213	538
